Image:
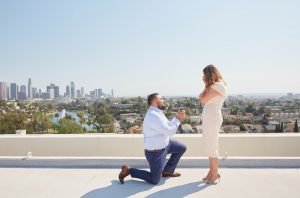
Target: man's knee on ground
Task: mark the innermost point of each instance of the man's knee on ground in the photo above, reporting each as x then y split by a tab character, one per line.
155	180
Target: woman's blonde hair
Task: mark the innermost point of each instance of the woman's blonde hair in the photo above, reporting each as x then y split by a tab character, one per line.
211	75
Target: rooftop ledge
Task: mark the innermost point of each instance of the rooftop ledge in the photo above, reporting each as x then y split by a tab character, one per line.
113	150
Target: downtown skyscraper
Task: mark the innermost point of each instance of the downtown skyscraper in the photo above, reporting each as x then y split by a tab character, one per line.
22	94
3	91
55	88
29	95
73	90
14	91
68	92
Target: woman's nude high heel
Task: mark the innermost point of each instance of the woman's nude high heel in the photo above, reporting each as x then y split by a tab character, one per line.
216	181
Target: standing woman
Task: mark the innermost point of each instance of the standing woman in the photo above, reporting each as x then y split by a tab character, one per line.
212	97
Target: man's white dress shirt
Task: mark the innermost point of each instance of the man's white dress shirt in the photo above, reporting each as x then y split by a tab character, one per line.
157	129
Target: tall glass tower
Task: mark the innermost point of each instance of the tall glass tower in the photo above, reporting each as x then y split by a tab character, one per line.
29	95
73	90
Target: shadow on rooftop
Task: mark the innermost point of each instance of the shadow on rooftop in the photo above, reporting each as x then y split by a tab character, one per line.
116	189
133	187
180	191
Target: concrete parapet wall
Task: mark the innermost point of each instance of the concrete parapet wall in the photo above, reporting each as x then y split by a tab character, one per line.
125	145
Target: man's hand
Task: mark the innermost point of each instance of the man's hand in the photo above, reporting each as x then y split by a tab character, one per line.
180	115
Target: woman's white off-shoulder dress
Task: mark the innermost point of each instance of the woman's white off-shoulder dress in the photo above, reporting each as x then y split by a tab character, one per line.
212	120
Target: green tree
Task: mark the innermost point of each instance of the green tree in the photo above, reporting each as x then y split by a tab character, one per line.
106	119
11	121
188	112
45	125
109	129
250	108
268	112
68	126
187	121
2	103
50	107
234	111
55	125
40	122
242	127
81	118
261	110
100	112
124	101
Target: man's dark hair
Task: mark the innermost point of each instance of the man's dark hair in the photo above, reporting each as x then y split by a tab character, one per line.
151	97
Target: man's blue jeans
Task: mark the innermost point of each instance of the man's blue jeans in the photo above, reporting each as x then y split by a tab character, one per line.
157	162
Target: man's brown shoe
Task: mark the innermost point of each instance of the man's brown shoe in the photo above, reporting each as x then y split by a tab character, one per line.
169	174
124	173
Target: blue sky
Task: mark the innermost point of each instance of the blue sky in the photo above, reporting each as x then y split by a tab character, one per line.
138	47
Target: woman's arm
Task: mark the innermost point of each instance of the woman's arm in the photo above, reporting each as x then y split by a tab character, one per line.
207	94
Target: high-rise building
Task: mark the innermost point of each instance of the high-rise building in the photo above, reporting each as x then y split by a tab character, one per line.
3	91
92	94
68	92
50	94
39	93
34	93
73	90
82	92
29	89
290	96
7	91
22	93
55	88
78	94
14	90
98	93
45	95
112	93
56	92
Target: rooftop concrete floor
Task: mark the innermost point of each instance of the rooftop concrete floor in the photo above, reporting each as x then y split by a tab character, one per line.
90	183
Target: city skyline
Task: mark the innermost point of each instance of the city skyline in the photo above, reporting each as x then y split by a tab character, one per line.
14	91
138	47
63	90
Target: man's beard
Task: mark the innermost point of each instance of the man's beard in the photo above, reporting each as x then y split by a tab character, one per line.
161	107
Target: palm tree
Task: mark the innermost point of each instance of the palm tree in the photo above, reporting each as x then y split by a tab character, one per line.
81	118
57	116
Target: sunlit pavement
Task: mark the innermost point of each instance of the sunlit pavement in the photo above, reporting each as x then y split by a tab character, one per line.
88	183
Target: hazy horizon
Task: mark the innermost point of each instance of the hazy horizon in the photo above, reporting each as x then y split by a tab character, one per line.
140	47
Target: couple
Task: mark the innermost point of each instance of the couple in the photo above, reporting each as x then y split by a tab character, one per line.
157	129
